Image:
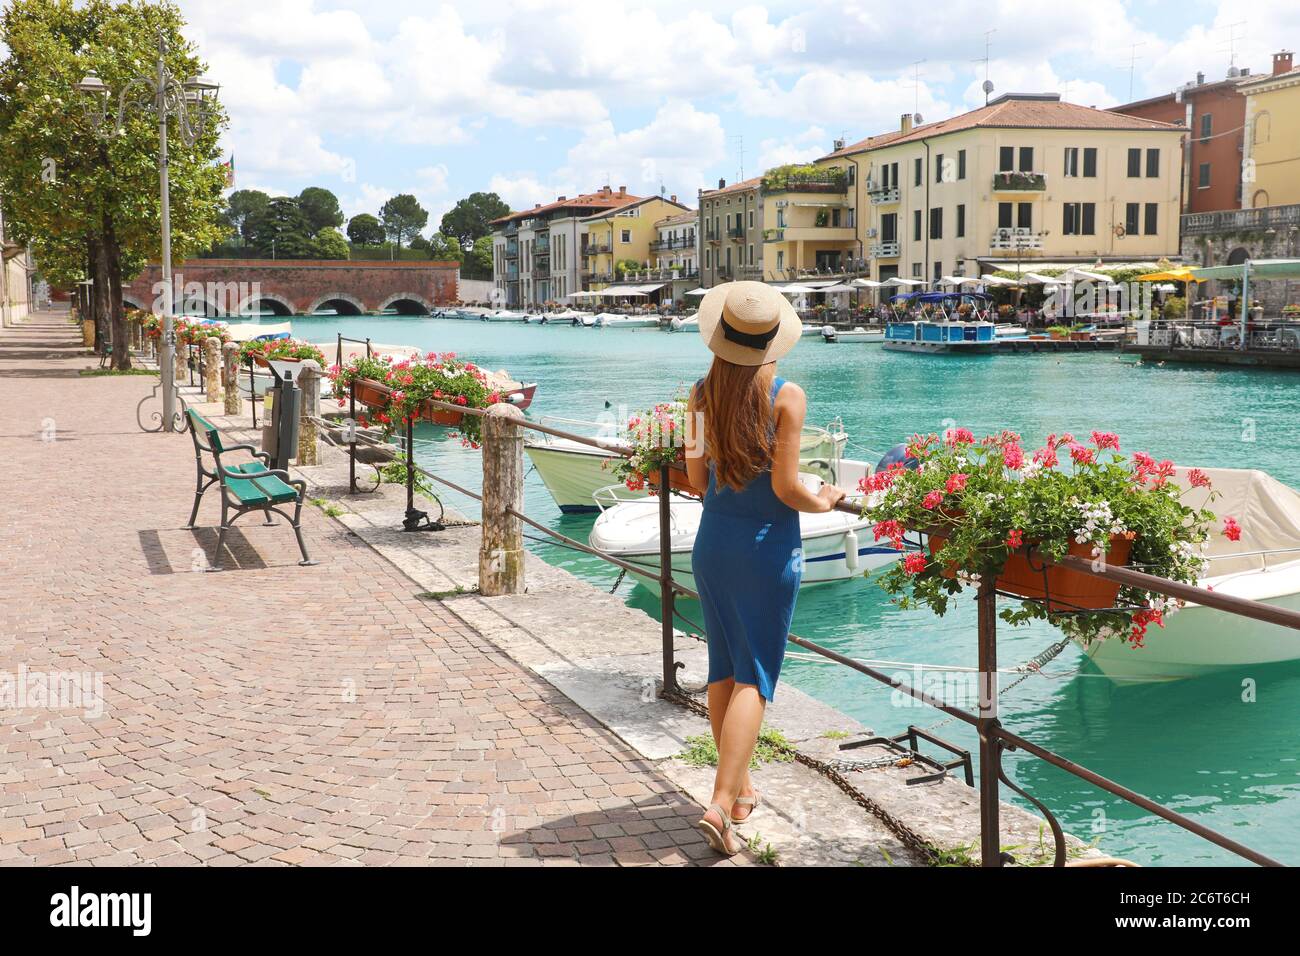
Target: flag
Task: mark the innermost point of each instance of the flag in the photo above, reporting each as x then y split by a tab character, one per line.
230	172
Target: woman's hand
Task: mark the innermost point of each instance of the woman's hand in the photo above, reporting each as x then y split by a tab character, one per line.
831	495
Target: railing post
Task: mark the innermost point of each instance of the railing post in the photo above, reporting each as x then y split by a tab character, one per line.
181	368
212	367
252	390
667	596
352	445
987	718
501	555
230	378
309	411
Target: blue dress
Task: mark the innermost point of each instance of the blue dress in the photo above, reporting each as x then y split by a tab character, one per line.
748	562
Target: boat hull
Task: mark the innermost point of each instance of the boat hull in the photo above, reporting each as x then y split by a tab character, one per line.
572	474
1198	640
939	348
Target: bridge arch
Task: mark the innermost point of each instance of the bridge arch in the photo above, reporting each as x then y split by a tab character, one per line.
340	302
407	303
268	302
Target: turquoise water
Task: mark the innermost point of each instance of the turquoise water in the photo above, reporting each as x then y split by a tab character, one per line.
1194	745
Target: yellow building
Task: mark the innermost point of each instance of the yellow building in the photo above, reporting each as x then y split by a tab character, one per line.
1025	179
15	280
620	240
1271	153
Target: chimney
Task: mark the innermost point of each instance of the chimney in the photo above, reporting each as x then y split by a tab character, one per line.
1281	62
722	184
622	190
537	205
1200	77
673	198
905	125
562	199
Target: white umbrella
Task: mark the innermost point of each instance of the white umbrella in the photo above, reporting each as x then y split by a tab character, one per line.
799	290
957	280
1035	278
698	292
907	283
998	280
866	283
1073	275
838	287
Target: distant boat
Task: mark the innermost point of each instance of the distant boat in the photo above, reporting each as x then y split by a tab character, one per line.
690	324
858	334
611	320
504	315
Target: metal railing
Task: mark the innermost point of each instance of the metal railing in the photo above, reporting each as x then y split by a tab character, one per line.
994	738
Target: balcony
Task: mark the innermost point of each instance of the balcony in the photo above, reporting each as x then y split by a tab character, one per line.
542	273
735	232
883	195
674	242
884	250
1018	239
597	249
1019	182
511	229
805	179
1241	220
826	233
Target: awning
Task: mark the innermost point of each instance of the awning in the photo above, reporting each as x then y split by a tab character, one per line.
698	292
1182	274
998	280
797	290
1037	278
653	287
906	283
866	283
837	288
1259	269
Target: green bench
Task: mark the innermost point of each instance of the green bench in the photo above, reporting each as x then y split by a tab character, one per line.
250	486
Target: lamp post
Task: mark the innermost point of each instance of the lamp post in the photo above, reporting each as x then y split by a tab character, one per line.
191	103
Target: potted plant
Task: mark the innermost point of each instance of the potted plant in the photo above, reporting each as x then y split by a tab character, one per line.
280	350
658	438
368	374
1059	331
990	510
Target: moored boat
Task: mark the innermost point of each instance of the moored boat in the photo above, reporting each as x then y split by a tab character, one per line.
610	320
1264	565
855	335
504	315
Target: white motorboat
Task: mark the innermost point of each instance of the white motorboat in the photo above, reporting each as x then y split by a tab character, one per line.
574	472
566	317
858	334
610	320
1006	330
1263	566
836	546
688	324
504	315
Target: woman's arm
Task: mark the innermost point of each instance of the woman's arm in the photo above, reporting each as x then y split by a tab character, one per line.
791	407
697	466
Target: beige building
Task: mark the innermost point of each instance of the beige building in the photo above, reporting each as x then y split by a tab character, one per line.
1025	179
731	232
1271	150
16	271
618	242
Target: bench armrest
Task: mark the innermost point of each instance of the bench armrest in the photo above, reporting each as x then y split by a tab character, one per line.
266	458
269	473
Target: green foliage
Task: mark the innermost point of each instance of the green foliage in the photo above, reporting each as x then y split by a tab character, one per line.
64	186
321	207
403	217
469	220
330	244
478	263
282	349
772	746
446	248
624	266
281	231
365	230
242	206
780	178
1175	307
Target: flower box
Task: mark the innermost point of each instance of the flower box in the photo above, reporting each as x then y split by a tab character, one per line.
376	395
1062	588
678	478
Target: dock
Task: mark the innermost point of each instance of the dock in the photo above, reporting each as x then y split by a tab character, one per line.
1241	358
1019	346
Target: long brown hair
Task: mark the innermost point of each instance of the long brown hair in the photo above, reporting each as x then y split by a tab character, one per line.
739	424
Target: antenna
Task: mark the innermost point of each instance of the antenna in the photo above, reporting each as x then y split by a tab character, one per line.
1230	44
740	149
916	90
988	85
1132	63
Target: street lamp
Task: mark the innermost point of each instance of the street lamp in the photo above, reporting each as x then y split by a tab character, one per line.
191	103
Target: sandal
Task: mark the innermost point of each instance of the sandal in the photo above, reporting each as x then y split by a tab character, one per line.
724	841
753	803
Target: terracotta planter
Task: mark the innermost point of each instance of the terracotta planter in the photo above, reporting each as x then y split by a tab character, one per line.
1080	336
678	480
1068	590
441	416
371	393
265	363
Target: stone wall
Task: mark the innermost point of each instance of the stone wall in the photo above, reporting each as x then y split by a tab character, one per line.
1233	236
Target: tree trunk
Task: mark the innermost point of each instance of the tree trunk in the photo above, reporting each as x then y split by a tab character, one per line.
99	294
116	310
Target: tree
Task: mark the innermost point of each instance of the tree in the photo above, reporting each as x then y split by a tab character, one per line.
281	231
330	244
365	230
321	207
241	206
403	217
478	263
470	219
88	207
445	248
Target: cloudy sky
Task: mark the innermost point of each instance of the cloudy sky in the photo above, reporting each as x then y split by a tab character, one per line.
535	98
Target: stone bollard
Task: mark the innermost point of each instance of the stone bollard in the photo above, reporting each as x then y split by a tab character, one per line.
182	363
212	367
501	555
309	378
230	378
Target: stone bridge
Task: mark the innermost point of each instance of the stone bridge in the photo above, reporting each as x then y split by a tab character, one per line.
223	287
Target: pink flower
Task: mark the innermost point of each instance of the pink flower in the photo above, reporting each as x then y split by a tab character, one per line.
957	483
933	500
1015	539
1013	456
915	563
1082	455
1104	440
959	436
1231	530
892	530
1198	479
1046	456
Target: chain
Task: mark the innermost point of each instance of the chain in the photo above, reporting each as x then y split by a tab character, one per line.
1030	667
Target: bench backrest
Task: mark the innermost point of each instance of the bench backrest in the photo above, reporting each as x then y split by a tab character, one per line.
201	426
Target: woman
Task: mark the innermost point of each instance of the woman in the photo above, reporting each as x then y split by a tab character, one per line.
744	425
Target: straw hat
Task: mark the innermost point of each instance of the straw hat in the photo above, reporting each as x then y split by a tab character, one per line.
748	323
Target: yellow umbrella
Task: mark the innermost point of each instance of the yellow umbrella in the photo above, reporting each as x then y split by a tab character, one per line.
1170	275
